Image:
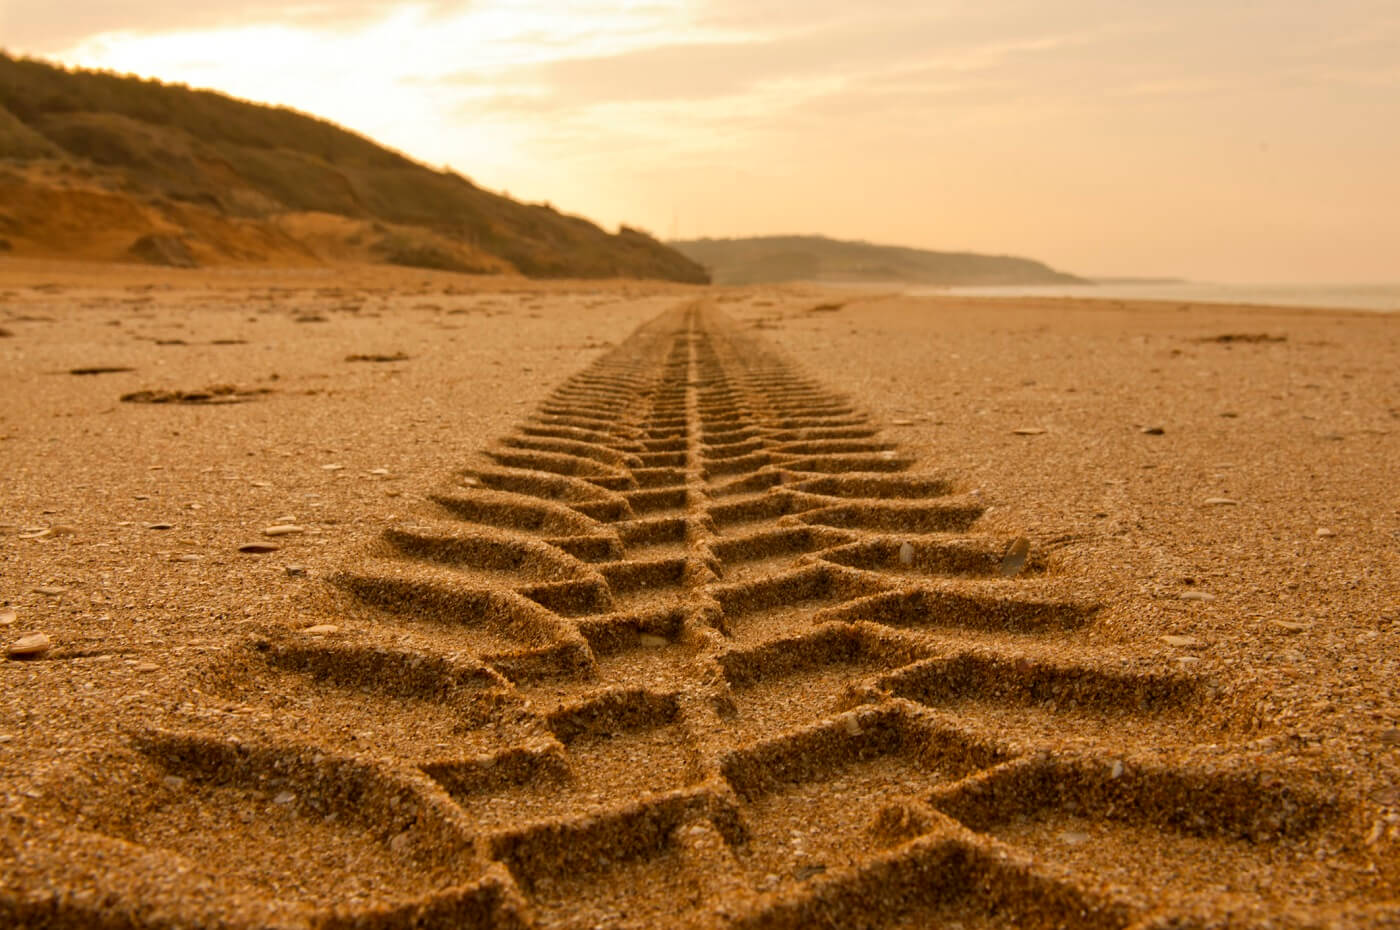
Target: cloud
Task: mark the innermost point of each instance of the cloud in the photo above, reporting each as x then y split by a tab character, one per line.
784	14
832	55
42	26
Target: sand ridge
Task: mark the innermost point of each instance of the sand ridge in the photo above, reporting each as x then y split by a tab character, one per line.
696	643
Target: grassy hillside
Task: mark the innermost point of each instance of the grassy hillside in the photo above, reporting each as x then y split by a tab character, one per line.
206	169
814	258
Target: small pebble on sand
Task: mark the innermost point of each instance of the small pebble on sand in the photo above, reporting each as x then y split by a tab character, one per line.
1153	431
1028	431
285	797
332	467
160	526
145	667
901	422
1288	626
52	590
1182	642
296	571
1073	838
29	647
1325	532
906	554
1197	596
652	641
321	629
1220	502
1015	557
7	617
283	529
258	547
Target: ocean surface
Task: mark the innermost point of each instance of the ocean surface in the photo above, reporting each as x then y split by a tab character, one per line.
1378	297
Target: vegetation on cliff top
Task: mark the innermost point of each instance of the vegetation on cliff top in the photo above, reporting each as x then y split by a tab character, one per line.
764	259
218	174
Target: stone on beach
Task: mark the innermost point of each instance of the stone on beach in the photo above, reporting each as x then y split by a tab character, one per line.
30	646
1015	558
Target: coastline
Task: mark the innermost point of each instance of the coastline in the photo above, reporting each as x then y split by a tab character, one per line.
1379	298
1372	297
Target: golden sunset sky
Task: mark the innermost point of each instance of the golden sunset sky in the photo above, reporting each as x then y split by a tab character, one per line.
1227	141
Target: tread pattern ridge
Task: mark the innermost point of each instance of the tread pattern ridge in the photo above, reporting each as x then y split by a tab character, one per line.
695	647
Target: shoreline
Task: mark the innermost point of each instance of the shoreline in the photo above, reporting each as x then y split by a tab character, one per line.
1366	297
32	271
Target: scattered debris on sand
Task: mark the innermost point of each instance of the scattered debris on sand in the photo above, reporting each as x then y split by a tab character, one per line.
1245	338
216	394
395	357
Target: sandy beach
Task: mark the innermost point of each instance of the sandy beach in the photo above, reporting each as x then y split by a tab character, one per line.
369	597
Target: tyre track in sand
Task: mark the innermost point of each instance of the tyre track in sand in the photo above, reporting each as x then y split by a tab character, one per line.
696	648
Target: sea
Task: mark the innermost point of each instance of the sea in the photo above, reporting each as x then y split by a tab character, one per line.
1381	298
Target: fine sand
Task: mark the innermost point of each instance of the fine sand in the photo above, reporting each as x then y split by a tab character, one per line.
398	599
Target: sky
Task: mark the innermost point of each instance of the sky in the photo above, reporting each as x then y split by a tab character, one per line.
1222	140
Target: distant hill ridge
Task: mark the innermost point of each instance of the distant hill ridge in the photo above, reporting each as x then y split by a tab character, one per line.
764	259
99	166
